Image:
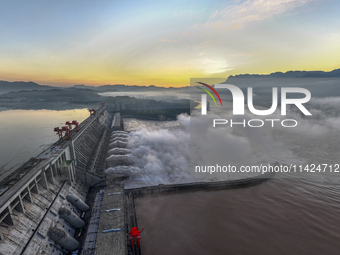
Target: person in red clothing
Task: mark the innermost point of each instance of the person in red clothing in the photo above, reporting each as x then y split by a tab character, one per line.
135	235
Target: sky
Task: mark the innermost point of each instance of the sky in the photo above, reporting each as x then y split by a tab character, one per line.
164	43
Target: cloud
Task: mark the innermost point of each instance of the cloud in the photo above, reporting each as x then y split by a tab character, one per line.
168	40
214	65
250	11
185	33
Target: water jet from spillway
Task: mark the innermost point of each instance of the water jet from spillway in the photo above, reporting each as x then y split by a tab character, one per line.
119	151
129	170
121	139
119	144
114	134
116	160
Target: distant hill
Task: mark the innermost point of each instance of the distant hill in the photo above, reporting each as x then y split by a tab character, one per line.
6	86
124	88
292	74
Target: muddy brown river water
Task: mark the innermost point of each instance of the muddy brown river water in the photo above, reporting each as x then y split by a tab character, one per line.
280	216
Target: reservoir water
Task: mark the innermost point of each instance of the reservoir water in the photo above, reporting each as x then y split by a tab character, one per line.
26	133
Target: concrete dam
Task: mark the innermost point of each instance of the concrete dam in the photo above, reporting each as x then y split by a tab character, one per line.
64	202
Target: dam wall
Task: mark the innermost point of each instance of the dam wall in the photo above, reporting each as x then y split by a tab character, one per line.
85	144
90	149
32	197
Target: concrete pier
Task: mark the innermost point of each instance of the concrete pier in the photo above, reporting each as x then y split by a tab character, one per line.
117	123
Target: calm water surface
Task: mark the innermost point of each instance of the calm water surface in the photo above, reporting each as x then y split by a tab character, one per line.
25	133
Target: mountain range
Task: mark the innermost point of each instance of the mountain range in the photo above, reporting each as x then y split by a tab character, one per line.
6	86
292	74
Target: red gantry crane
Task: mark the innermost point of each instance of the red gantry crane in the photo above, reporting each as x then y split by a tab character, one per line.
67	129
73	123
67	132
92	111
61	130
